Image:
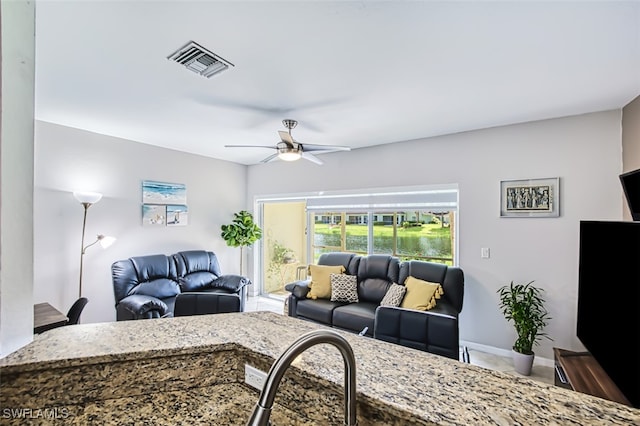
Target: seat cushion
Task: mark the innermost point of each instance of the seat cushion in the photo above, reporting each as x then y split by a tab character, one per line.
160	288
355	316
196	281
320	310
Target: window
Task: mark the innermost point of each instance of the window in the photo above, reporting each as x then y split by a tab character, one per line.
423	235
410	223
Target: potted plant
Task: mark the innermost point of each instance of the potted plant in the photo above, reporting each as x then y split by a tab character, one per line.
523	305
277	271
242	232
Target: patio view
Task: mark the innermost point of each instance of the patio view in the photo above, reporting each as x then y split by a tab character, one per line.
420	235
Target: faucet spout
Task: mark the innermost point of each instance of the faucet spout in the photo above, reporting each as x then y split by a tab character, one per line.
262	410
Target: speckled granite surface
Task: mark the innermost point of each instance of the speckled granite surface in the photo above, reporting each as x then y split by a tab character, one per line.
114	370
214	405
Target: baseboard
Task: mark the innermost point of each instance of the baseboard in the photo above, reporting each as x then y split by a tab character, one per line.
538	360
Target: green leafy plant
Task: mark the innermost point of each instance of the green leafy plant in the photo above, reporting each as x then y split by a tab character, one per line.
280	256
241	232
523	305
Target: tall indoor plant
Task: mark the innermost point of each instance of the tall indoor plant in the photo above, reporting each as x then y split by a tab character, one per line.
241	232
523	305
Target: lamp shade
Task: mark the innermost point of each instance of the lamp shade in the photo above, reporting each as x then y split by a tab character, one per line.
87	197
106	241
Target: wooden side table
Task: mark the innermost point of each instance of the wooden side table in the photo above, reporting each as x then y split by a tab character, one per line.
580	372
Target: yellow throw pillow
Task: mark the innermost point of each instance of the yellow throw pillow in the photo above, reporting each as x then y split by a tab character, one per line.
421	295
321	280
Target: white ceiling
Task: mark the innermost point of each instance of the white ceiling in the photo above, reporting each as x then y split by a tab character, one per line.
355	73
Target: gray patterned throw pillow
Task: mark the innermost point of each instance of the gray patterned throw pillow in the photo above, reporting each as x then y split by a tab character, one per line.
344	288
394	295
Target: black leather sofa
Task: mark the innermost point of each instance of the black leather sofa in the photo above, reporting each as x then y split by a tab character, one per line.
434	331
185	283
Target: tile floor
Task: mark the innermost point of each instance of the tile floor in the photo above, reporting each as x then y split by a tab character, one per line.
479	358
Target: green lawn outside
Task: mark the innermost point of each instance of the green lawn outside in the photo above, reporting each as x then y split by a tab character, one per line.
426	230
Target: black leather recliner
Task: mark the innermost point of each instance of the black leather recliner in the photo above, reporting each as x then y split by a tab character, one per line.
186	283
434	331
320	310
375	274
144	286
203	286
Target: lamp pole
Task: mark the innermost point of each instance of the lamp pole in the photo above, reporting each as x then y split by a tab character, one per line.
86	199
82	248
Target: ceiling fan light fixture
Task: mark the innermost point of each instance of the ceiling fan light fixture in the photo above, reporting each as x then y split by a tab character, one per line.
288	149
292	155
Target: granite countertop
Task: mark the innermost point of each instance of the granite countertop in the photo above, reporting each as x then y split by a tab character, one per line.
433	389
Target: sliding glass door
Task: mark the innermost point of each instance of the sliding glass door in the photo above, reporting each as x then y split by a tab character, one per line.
283	246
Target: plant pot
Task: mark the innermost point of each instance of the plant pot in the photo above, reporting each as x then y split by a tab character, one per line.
522	363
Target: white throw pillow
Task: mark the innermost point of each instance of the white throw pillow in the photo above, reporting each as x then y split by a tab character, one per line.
394	295
344	288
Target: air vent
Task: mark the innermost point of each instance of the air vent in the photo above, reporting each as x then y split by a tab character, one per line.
199	60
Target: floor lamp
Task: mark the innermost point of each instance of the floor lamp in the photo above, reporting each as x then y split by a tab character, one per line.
87	199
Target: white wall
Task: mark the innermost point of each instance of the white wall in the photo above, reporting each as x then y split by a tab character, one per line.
584	151
16	174
69	159
630	144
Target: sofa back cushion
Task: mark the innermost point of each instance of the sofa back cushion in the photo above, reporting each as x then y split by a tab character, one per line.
451	278
350	261
196	269
376	273
153	275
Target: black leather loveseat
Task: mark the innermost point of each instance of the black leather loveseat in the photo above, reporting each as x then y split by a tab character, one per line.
434	330
185	283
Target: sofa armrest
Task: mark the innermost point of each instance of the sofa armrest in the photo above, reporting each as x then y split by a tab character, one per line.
230	282
424	330
140	306
299	289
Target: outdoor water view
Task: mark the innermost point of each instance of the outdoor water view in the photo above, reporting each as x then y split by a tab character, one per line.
423	236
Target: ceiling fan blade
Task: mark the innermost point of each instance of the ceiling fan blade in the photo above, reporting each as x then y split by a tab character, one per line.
250	146
286	137
269	158
311	157
324	148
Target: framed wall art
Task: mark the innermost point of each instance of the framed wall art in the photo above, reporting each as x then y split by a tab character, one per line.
177	215
154	215
163	193
164	204
530	198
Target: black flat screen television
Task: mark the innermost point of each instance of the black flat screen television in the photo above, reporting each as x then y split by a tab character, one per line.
609	300
631	185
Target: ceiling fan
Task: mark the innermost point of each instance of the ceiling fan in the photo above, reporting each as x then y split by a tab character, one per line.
290	150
